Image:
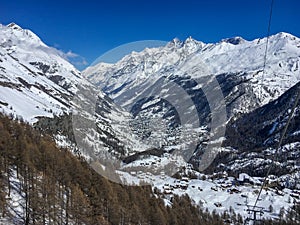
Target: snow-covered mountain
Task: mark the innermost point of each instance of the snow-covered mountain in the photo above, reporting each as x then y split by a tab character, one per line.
43	88
35	79
174	87
233	56
147	83
40	86
256	135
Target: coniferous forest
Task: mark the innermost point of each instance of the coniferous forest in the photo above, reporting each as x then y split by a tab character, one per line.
60	188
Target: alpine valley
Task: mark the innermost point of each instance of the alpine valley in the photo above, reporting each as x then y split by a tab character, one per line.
193	119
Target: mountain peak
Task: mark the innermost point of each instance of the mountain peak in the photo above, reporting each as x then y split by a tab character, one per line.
190	40
234	40
14	26
191	45
176	42
283	35
18	32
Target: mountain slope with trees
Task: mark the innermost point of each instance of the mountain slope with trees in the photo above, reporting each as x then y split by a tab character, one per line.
42	184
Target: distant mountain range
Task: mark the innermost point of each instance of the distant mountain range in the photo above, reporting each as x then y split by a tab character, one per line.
251	87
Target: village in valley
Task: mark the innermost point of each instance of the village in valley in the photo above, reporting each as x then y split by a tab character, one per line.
217	192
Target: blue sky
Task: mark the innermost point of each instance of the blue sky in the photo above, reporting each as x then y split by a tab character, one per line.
91	28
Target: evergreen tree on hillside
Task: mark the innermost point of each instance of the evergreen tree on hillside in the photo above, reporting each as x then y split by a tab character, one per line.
60	188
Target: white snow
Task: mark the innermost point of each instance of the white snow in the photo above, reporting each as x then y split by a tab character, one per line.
43	97
210	191
198	59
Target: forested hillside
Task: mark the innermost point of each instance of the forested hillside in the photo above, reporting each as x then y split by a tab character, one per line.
41	184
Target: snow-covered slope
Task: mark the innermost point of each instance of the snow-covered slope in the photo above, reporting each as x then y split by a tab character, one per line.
35	79
40	86
256	135
229	56
145	81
